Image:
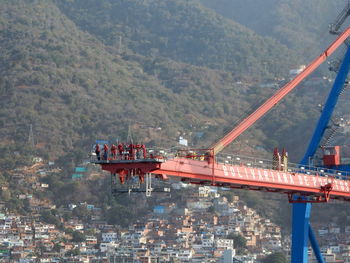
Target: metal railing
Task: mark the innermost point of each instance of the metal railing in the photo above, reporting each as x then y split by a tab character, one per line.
202	154
291	168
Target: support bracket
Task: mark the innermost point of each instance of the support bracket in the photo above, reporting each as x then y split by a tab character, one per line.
325	193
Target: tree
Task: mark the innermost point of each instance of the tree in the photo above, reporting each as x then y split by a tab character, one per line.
48	217
277	257
68	231
211	209
14	204
56	247
78	236
119	215
239	241
73	252
342	219
81	212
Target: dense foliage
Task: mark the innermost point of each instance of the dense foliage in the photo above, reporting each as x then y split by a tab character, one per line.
72	88
299	24
180	30
277	257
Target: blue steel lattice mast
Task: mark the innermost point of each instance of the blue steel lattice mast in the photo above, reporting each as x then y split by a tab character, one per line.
301	228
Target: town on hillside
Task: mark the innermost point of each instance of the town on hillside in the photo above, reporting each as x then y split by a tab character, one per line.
208	227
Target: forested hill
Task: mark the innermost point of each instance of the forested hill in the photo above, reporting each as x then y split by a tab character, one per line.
300	24
177	67
180	30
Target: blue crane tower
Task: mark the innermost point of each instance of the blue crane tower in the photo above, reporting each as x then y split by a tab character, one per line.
301	229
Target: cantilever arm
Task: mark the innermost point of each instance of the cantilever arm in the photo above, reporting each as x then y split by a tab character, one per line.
278	96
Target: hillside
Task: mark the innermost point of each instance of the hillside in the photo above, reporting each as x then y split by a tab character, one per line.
66	83
73	88
183	31
162	29
301	25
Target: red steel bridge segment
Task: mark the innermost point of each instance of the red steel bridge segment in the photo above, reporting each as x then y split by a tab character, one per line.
318	186
315	187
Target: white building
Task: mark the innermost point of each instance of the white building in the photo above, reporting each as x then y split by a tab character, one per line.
323	232
108	247
227	256
334	230
79	227
207	240
185	254
109	237
224	243
183	141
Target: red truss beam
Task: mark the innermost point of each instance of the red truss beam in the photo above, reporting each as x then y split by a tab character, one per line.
238	176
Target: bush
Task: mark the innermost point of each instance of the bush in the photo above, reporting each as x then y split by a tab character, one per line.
239	241
277	257
78	236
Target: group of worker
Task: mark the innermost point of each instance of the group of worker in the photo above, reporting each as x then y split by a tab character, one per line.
121	152
280	161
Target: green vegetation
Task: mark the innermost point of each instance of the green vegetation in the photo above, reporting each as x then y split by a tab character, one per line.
78	236
50	217
277	257
73	252
238	240
64	73
180	30
298	24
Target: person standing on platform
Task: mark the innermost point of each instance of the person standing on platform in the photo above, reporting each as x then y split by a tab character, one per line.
131	152
143	147
105	152
98	151
121	150
114	152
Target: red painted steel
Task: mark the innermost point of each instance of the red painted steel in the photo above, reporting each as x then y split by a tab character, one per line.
239	176
279	95
331	156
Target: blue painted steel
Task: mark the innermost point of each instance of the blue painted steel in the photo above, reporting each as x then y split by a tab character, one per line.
341	168
300	233
328	109
301	212
315	246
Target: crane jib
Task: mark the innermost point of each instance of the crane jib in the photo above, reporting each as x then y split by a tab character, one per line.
278	96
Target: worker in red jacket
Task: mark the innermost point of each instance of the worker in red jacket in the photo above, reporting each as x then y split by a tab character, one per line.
143	147
121	150
105	152
131	151
98	151
114	152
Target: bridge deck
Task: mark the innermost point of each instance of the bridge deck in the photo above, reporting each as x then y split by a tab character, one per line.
238	176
